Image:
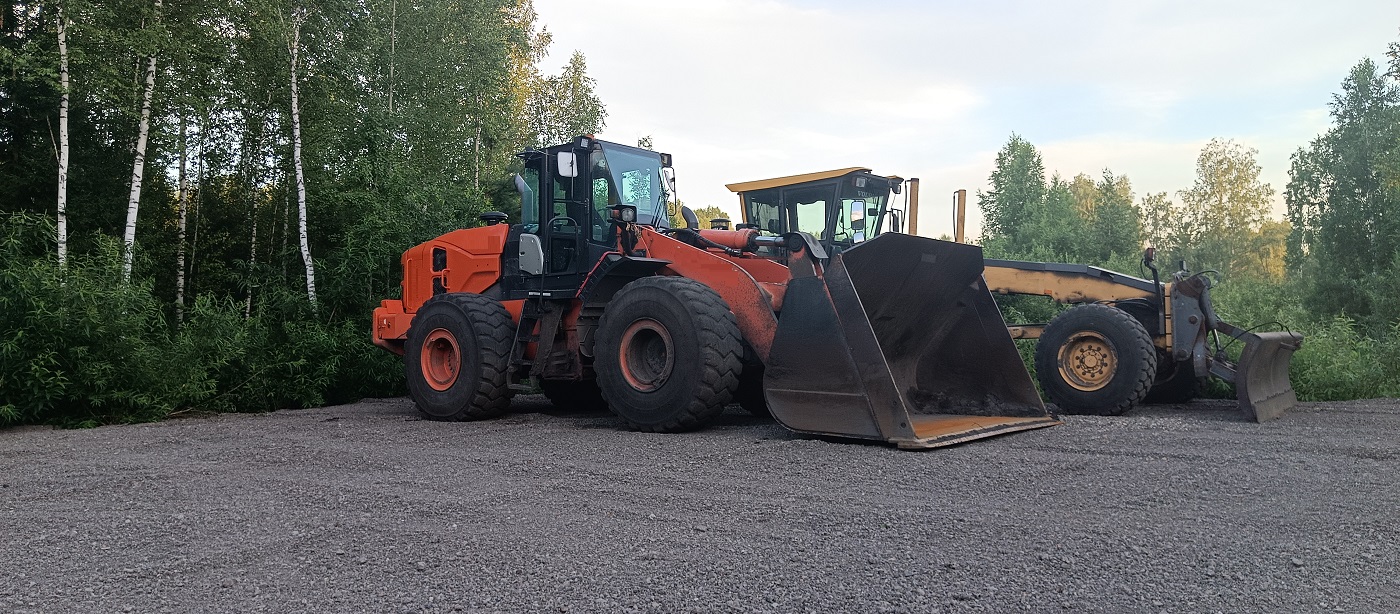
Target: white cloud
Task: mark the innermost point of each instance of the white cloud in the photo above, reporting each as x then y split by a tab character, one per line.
746	89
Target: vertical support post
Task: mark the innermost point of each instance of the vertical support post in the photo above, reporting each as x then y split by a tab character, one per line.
959	215
913	212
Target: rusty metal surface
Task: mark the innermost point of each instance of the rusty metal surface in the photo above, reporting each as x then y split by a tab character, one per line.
1261	381
933	430
901	327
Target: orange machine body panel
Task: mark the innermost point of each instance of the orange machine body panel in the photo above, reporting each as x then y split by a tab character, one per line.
467	260
473	263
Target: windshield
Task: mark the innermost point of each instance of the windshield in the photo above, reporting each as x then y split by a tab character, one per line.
862	211
636	177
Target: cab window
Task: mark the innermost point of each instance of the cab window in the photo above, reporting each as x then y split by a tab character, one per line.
762	210
808	207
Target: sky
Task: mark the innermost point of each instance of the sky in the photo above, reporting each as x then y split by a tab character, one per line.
738	90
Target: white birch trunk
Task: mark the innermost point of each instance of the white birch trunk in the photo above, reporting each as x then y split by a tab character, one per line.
62	138
252	260
296	163
184	204
138	166
199	184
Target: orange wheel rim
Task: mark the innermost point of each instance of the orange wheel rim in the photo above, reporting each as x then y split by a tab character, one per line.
441	360
646	355
1087	361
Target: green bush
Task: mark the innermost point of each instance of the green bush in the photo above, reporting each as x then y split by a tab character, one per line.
80	348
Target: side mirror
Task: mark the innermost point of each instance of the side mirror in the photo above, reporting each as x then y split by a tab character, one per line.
858	215
568	164
531	255
668	175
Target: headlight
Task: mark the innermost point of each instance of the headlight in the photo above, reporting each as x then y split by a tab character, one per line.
626	214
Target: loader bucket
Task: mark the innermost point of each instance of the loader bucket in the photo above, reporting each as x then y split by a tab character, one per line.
1261	379
899	341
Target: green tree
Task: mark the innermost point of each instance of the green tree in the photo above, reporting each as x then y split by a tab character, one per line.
705	214
1224	208
1017	189
565	105
1159	221
1114	223
1343	194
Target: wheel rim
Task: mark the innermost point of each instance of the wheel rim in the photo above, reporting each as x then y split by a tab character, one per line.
646	355
1087	361
441	359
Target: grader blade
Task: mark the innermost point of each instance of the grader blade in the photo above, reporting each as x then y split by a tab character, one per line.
1261	379
899	340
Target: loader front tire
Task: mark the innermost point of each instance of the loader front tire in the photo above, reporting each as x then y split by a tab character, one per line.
668	354
1096	360
456	358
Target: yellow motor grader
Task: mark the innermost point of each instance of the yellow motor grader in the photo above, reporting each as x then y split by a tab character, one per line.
1126	340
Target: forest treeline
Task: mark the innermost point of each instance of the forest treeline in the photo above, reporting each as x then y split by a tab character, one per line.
203	201
261	164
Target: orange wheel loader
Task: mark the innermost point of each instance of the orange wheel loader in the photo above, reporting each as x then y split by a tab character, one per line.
592	296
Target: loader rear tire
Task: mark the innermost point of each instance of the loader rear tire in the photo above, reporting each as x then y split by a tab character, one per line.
1095	360
1177	383
456	357
668	354
582	395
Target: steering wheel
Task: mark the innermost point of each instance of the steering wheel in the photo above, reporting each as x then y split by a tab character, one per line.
561	221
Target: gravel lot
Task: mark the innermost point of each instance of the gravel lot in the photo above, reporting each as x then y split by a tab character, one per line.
366	508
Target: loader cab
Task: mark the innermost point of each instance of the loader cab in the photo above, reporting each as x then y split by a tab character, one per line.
565	193
841	208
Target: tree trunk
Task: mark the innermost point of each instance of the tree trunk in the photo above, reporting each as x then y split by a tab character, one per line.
476	147
199	201
393	44
252	261
184	204
138	166
62	138
297	20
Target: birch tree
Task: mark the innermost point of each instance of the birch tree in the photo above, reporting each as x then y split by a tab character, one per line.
183	202
62	137
299	18
138	165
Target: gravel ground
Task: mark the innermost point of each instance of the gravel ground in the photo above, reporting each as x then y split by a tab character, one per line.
366	508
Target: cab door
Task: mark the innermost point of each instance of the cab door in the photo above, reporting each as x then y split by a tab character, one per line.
563	226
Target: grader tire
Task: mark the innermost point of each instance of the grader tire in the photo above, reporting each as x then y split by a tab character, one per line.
1095	360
